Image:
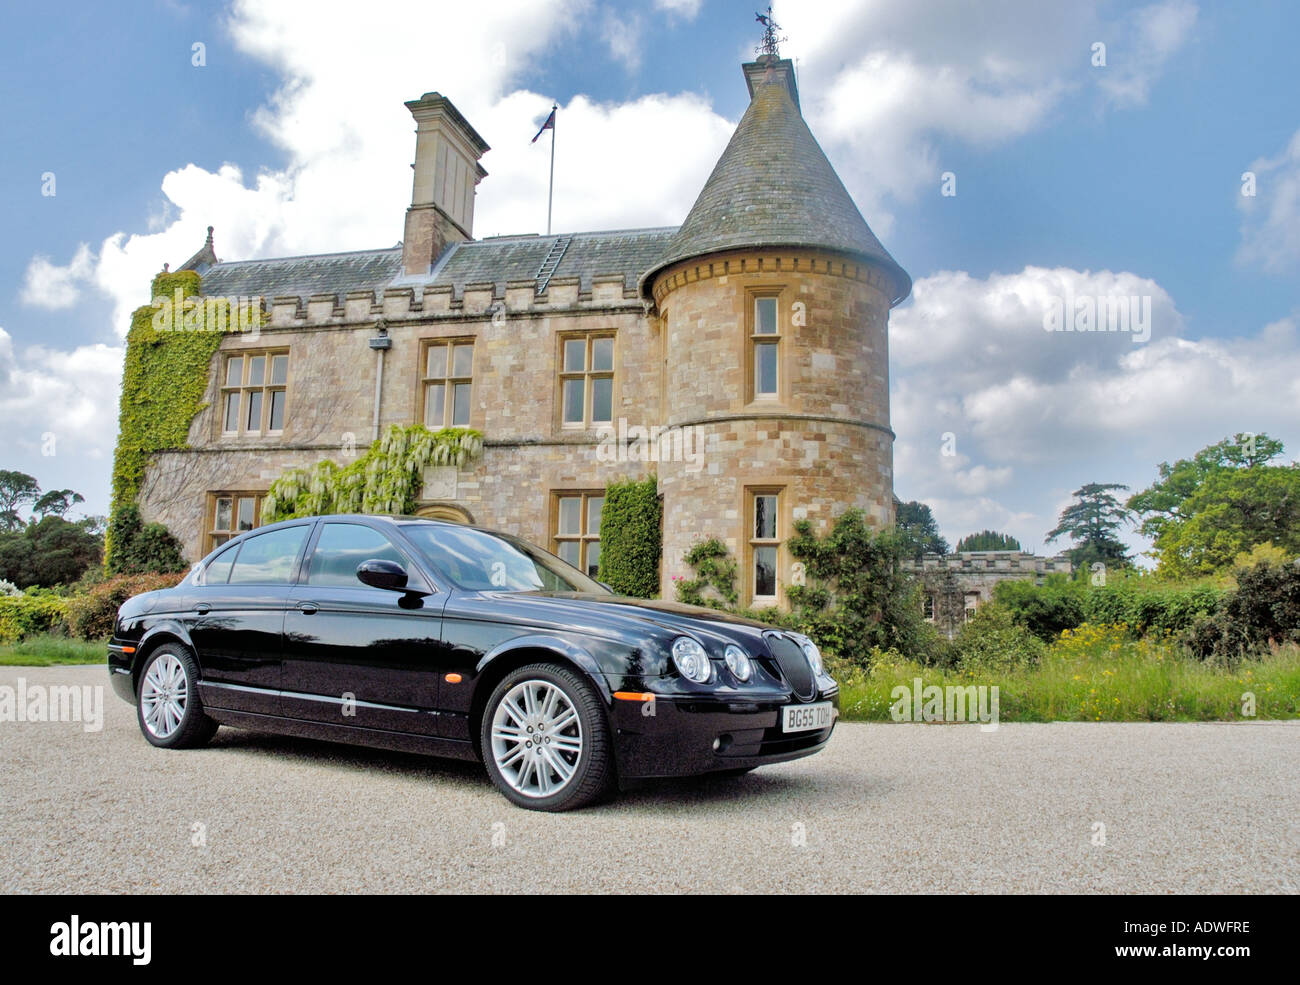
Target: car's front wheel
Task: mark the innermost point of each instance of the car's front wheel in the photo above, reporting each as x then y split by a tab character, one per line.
168	706
545	739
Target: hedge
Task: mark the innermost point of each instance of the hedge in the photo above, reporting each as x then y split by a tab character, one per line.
631	538
90	616
27	615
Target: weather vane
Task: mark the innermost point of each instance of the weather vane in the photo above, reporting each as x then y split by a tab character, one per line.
770	37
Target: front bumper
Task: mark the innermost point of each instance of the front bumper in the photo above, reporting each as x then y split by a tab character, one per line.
119	671
676	735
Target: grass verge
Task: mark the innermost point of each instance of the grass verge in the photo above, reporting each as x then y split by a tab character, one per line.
1098	675
49	651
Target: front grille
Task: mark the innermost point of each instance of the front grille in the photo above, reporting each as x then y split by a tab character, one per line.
794	665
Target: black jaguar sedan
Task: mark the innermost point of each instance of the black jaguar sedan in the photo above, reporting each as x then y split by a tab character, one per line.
425	636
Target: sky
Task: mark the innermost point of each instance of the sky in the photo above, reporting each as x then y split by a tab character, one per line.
1014	156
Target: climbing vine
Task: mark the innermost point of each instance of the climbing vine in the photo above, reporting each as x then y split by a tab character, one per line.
165	374
714	583
386	479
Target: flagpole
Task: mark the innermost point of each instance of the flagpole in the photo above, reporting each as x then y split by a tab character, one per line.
550	194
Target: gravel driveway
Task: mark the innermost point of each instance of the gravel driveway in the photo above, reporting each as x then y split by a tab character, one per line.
1203	808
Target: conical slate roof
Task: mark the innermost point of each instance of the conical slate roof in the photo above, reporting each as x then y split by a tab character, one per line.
773	186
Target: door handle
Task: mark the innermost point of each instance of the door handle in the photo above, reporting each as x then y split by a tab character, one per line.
202	608
308	608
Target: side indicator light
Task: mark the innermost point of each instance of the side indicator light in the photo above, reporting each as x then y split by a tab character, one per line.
453	678
634	696
128	649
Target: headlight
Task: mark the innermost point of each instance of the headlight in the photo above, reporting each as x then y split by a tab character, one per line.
738	661
691	660
814	656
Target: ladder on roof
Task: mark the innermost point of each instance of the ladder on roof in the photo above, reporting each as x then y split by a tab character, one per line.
552	262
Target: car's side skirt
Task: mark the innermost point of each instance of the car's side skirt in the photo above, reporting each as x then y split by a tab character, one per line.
348	734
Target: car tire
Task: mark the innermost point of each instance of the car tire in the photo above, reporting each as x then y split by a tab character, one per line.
578	768
168	708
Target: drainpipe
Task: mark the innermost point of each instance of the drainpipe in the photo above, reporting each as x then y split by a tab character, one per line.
381	343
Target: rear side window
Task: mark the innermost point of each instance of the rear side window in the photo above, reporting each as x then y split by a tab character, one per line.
218	570
343	546
267	559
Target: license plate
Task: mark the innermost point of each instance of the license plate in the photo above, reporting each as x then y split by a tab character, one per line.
806	718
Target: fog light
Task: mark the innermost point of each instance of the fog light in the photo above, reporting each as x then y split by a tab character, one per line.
717	744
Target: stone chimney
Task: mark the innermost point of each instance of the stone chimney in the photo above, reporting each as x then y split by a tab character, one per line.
770	68
447	151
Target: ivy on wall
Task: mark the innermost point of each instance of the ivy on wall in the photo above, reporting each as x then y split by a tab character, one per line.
166	372
386	479
714	583
631	537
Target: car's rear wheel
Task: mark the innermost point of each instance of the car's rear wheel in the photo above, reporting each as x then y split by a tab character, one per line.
168	706
545	739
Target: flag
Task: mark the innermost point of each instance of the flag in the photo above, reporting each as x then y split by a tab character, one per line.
548	125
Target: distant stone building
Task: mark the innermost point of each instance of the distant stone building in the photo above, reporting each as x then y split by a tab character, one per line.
754	335
954	586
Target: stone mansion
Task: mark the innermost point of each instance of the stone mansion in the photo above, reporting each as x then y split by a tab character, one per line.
755	333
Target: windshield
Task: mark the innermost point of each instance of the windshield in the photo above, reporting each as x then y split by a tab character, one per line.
476	560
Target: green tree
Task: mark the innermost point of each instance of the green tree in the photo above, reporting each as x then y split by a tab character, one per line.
47	552
988	540
1092	521
57	502
918	530
1229	513
16	490
1162	504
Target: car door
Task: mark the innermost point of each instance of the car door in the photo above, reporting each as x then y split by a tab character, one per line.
355	655
237	619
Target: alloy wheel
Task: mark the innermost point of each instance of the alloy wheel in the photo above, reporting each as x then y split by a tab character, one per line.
536	738
164	694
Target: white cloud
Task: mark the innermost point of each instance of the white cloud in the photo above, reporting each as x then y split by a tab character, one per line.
54	287
1144	43
623	38
685	9
882	84
1270	232
1034	414
64	401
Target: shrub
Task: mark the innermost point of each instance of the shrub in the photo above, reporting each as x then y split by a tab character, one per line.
993	643
90	616
856	596
1263	611
49	551
22	616
1148	607
631	538
1047	609
141	548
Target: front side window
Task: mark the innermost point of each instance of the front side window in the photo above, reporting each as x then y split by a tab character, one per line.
764	543
267	559
342	547
576	529
586	380
448	383
230	514
476	560
254	390
765	348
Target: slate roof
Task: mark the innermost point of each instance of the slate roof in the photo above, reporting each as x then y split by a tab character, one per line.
505	259
773	186
324	273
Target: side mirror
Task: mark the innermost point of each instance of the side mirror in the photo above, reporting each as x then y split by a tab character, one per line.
378	573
